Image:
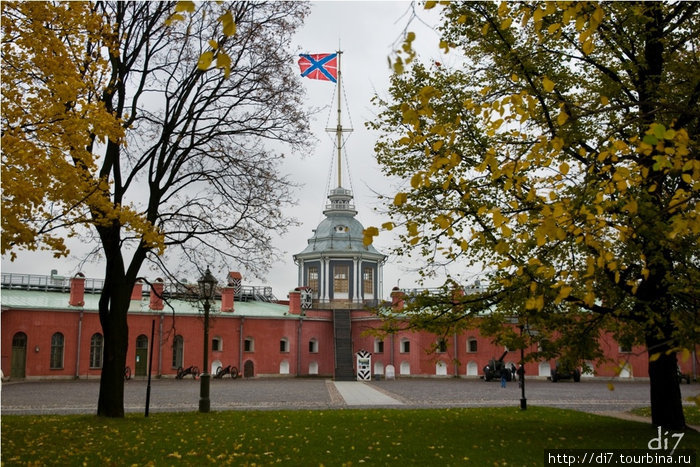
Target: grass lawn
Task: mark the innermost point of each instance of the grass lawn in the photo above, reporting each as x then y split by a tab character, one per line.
479	436
691	412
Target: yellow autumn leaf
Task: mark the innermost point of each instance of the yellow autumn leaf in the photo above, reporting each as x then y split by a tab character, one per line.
228	24
205	60
184	6
400	199
611	387
553	28
223	61
548	84
368	235
562	118
685	355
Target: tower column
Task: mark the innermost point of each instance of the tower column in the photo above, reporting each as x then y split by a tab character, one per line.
357	275
326	279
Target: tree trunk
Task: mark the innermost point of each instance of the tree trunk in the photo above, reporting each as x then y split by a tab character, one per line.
116	341
665	391
114	307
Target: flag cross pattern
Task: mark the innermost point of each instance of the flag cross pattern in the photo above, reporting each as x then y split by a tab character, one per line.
319	66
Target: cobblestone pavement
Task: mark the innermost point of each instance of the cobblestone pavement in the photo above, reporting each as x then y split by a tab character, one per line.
63	397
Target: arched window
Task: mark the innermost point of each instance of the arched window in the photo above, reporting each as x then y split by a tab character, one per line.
313	346
249	344
405	346
217	344
178	351
378	345
472	345
57	342
284	345
96	346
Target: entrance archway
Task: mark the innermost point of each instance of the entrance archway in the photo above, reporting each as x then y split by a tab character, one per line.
19	355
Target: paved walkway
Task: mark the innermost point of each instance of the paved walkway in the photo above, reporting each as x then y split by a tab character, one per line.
169	395
357	393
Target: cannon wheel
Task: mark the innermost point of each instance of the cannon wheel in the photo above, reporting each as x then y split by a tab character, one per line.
234	372
127	373
577	376
195	372
180	372
219	371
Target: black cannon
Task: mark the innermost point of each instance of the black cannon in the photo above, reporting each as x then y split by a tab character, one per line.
560	373
192	370
493	370
228	370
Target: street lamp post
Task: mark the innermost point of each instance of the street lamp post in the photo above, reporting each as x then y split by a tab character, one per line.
207	286
523	400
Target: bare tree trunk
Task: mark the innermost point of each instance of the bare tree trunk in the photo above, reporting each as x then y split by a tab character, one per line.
116	341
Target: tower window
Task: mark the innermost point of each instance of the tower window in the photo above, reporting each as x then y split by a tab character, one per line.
368	280
312	279
340	279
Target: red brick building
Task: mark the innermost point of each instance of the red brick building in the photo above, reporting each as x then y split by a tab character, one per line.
51	327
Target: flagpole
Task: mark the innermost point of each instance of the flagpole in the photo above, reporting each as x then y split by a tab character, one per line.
339	128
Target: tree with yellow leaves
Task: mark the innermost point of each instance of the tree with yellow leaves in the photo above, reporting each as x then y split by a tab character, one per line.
561	159
147	123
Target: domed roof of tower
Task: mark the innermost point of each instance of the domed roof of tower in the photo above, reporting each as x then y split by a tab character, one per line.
339	232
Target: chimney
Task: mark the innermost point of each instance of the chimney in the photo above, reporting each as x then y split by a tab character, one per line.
77	290
157	294
137	291
295	302
397	299
227	299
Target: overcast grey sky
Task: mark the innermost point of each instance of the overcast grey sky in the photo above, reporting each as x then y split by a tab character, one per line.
366	31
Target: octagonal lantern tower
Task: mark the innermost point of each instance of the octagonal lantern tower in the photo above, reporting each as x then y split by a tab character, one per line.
336	265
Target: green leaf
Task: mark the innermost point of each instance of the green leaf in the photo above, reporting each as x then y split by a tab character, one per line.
659	130
650	140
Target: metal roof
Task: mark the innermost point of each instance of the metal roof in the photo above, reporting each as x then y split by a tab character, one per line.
58	301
